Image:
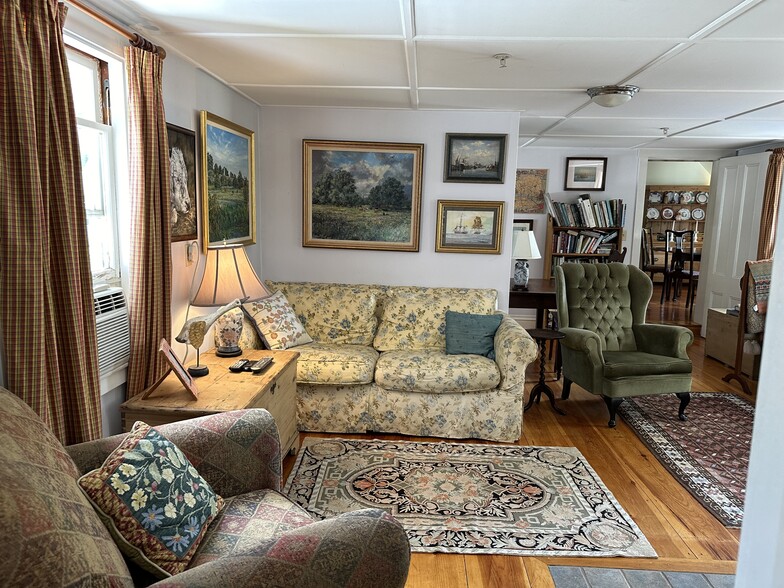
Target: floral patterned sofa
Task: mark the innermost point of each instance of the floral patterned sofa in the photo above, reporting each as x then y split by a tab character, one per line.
377	362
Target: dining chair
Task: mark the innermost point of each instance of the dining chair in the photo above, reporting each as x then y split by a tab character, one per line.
679	260
617	256
649	265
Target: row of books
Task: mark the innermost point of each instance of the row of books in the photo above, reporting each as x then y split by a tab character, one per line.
584	213
563	260
587	242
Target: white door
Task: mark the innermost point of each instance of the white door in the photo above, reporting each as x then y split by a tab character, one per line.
735	209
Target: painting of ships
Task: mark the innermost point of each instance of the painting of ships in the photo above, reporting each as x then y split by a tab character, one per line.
460	228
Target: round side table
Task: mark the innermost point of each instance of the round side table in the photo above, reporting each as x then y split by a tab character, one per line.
542	336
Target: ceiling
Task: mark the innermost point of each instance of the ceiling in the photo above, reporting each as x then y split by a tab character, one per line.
710	71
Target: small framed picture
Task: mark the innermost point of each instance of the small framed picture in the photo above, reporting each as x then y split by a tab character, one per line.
182	170
585	173
175	365
521	224
474	158
469	226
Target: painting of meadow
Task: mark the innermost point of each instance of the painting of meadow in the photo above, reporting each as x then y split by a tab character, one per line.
361	195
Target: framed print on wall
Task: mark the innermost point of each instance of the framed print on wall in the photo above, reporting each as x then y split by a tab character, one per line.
469	226
228	182
182	164
474	158
530	188
361	195
585	173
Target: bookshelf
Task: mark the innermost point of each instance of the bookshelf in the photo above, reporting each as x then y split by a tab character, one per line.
582	231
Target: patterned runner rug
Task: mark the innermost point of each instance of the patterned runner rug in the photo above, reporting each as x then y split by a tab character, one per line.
708	454
461	498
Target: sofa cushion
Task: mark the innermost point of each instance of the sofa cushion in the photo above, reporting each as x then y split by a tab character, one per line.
327	363
471	333
432	371
51	536
247	520
415	318
153	501
333	313
277	323
620	364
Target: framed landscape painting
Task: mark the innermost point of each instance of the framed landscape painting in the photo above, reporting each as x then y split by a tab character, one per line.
585	173
361	195
182	170
474	158
469	226
228	182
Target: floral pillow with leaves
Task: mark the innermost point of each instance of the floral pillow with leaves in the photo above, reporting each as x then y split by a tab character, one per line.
153	501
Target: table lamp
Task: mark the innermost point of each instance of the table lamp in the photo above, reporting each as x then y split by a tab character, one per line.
524	248
228	275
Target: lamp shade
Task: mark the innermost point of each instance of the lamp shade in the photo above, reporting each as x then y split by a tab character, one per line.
227	275
525	246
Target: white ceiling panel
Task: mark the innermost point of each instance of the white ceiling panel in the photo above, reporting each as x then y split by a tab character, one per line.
547	103
772	112
687	142
635	127
556	65
275	17
743	127
763	21
330	97
720	65
530	126
566	18
577	143
308	61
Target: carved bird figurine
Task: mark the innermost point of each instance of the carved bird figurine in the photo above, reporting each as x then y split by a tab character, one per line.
194	329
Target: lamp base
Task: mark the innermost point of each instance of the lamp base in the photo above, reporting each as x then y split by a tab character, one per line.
198	371
520	277
228	330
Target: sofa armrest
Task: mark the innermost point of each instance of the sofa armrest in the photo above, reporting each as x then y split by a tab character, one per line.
362	549
668	340
236	451
514	350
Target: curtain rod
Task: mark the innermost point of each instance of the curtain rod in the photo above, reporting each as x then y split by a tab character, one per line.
135	39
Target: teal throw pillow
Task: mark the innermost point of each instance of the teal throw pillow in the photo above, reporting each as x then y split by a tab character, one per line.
471	333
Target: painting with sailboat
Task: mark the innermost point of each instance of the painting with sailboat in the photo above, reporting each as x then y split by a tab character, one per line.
469	227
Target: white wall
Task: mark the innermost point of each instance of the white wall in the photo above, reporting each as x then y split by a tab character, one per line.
280	214
679	173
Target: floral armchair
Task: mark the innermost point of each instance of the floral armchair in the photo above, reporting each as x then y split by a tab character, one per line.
53	537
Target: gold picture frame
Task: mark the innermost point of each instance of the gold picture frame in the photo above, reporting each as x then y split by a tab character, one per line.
228	180
361	195
469	226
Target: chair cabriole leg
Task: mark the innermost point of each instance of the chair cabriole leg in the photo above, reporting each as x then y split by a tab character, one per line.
685	399
612	406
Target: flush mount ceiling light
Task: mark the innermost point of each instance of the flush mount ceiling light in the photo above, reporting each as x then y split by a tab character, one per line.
609	96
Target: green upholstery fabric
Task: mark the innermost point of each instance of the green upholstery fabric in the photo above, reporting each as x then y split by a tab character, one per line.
608	348
471	333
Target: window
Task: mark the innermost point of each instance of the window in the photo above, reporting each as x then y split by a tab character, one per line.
90	87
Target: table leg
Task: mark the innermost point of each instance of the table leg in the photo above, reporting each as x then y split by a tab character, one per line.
541	387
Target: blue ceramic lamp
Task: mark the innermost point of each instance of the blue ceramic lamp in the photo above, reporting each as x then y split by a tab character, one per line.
524	248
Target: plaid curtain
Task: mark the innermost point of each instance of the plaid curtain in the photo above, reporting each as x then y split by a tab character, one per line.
46	302
770	205
150	271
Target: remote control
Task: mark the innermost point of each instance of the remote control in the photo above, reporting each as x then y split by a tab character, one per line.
239	365
257	367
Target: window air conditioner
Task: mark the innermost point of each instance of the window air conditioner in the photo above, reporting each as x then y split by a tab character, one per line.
113	330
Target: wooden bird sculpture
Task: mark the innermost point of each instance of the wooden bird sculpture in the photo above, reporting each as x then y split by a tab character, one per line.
194	329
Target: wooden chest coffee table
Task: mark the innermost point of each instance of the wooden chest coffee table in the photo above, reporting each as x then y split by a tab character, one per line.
221	390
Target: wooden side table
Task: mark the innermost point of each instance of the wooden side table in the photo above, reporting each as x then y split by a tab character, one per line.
542	336
221	390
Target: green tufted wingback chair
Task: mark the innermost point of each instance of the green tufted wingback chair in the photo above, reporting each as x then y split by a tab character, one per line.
608	348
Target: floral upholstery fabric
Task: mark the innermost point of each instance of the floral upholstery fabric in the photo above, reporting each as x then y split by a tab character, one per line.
514	350
328	363
333	313
247	520
277	323
51	536
415	318
335	409
153	501
434	372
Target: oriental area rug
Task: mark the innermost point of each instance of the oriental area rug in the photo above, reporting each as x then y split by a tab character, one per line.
708	454
470	498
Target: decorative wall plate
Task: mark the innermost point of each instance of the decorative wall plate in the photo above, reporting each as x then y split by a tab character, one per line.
667	213
702	197
683	214
687	197
655	197
698	214
653	213
672	198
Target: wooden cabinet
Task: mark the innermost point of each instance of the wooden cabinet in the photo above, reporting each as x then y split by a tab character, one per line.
679	208
221	390
578	244
721	336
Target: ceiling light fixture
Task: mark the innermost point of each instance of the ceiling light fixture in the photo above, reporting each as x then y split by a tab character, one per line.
609	96
502	57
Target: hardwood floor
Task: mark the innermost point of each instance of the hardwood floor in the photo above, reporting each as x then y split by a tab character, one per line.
686	536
